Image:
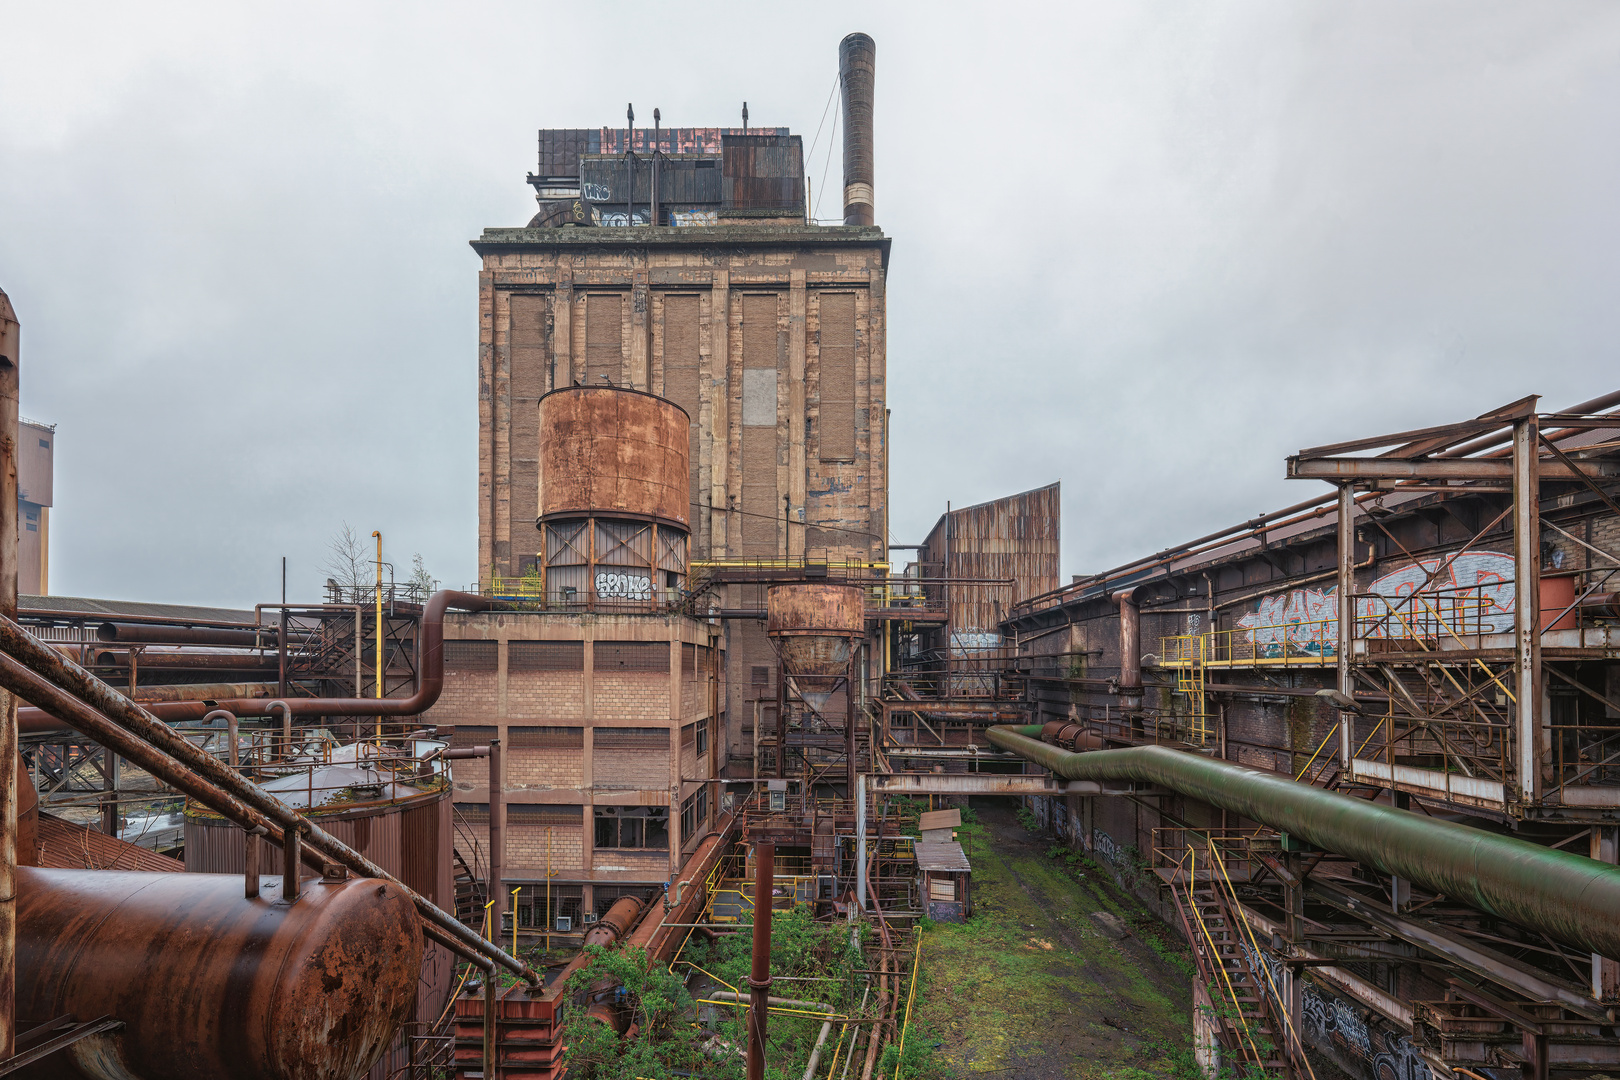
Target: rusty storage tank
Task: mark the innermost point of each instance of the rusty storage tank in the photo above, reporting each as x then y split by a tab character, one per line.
389	805
615	491
210	985
814	626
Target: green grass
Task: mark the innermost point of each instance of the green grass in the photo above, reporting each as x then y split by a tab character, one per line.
1004	1003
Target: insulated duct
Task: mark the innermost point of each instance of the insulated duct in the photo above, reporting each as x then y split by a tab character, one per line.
1573	899
857	64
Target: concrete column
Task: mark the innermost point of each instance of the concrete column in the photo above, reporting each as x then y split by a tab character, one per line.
486	427
1527	608
640	331
1347	622
562	327
796	460
726	431
501	466
500	679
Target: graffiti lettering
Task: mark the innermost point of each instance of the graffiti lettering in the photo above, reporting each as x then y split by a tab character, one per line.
624	586
690	218
1474	594
596	192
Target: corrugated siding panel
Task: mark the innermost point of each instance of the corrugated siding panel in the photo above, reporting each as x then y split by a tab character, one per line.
837	377
1017	537
604	339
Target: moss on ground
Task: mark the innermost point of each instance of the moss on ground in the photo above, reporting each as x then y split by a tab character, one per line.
1032	986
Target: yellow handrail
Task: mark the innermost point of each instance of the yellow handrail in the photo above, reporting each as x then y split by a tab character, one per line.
1237	906
916	965
1312	760
1215	953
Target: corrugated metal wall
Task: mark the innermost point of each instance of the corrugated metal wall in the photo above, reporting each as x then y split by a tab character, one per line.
1016	537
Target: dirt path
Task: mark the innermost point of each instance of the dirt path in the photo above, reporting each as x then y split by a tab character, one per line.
1035	987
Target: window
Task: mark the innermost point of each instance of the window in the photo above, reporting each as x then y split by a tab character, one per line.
545	738
631	656
544	814
468	656
545	656
694	814
703	736
631	738
645	827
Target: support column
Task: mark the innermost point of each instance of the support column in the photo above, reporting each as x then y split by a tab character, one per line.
781	720
860	840
497	840
1605	970
1527	608
1347	623
109	784
10	368
797	462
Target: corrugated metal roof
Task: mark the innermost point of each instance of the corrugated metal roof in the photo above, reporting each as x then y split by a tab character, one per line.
66	846
68	606
561	148
939	819
946	858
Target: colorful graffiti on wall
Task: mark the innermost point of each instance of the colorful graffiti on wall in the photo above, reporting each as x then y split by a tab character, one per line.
1473	594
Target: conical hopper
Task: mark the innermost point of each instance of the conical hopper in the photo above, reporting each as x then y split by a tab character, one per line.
815	627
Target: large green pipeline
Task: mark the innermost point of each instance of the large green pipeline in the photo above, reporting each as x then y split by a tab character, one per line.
1566	896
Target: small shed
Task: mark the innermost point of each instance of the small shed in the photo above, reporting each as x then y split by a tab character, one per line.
936	826
946	880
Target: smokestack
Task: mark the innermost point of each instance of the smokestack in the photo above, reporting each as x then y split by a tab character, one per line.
857	63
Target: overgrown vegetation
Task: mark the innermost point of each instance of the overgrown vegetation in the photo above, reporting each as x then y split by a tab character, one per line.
653	1000
1034	986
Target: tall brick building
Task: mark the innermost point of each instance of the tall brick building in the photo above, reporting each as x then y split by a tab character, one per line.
682	262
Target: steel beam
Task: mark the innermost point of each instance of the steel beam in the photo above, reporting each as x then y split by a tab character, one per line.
1348	469
1527	609
987	784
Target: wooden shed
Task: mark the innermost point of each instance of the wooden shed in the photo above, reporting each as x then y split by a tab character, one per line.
946	880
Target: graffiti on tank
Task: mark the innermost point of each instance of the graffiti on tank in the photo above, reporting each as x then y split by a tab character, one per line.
619	219
624	586
1474	594
693	218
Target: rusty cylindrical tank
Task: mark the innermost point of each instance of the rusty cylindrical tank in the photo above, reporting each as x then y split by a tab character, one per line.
210	985
607	451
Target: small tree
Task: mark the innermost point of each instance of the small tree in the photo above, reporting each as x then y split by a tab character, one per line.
655	1002
348	563
422	583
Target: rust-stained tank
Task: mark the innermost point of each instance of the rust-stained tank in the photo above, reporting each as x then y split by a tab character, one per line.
608	452
814	626
402	823
614	498
210	985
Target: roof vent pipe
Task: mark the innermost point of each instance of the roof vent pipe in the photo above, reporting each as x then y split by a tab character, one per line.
857	64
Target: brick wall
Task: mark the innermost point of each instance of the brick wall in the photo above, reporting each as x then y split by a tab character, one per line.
468	695
653	863
545	694
550	768
526	848
639	769
631	695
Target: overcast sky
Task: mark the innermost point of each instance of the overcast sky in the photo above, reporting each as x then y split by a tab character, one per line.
1148	249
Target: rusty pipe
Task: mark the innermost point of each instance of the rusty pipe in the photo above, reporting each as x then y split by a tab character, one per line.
430	682
857	66
1130	644
231	732
616	923
759	975
144	634
497	839
10	395
1568	897
69	680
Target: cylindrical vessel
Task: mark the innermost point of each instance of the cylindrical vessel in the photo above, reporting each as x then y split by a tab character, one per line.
210	985
612	452
615	495
616	923
857	68
814	625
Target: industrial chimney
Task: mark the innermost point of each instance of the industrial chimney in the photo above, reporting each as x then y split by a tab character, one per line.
857	63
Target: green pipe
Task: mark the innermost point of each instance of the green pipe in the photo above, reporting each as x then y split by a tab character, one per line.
1568	897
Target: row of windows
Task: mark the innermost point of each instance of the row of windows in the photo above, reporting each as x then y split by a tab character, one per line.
634	827
694	735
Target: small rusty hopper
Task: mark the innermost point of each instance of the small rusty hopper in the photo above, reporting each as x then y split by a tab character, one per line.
814	627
